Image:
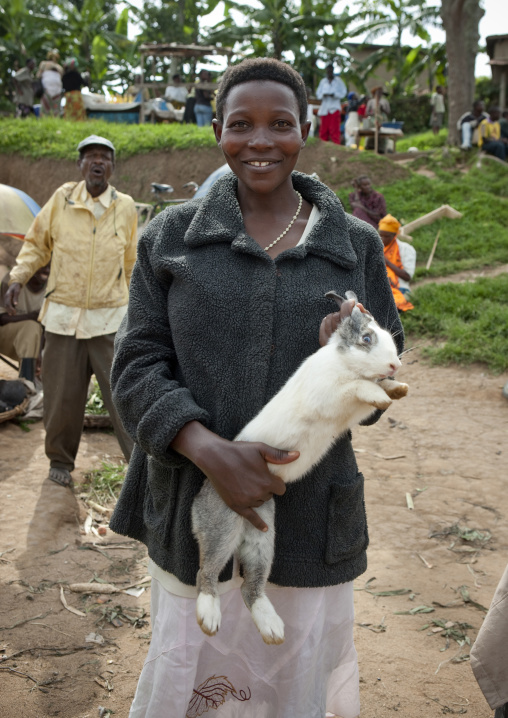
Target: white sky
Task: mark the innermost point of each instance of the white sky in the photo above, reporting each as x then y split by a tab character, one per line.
494	22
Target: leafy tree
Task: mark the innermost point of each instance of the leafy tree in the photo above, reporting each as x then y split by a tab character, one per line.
94	32
24	33
396	17
168	21
305	32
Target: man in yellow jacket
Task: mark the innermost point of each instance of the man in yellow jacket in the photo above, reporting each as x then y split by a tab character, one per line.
88	230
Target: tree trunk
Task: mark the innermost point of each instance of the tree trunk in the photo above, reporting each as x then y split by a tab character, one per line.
460	21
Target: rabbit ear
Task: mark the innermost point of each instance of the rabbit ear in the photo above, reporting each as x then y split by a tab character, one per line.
337	297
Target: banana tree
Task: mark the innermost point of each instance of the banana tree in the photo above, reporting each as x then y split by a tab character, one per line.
395	17
24	32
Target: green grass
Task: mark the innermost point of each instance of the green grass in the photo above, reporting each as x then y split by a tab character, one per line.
423	141
479	239
465	323
104	485
468	322
57	138
95	404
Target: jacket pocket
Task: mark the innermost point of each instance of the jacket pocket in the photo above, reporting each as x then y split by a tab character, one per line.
160	499
347	533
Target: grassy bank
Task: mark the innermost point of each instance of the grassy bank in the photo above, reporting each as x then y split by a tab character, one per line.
59	138
423	141
479	239
466	322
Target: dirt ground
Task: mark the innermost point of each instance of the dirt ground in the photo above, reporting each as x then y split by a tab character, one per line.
444	446
335	165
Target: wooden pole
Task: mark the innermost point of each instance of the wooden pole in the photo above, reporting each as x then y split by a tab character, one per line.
431	256
376	126
141	107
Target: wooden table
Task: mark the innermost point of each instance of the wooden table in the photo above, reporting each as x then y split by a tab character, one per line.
385	133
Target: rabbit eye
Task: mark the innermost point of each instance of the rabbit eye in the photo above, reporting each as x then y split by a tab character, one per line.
367	339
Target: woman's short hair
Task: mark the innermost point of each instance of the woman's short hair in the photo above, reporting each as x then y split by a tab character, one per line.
261	69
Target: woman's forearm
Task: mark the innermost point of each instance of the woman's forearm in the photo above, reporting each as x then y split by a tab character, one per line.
193	440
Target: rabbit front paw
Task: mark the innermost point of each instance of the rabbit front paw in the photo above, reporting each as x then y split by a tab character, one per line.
381	404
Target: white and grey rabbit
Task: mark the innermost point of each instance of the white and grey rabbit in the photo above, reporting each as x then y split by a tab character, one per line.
334	389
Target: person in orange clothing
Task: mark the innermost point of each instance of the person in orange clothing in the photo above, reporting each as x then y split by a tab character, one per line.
388	230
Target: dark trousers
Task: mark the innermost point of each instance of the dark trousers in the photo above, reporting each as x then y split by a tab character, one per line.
496	148
68	363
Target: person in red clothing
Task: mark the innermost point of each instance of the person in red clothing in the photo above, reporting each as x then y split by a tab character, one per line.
330	91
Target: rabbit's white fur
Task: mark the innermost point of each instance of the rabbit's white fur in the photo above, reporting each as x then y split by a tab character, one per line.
334	389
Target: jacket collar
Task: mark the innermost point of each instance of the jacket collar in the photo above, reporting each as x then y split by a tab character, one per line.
219	219
76	194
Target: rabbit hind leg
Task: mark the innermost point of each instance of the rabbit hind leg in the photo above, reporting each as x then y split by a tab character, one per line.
256	555
218	532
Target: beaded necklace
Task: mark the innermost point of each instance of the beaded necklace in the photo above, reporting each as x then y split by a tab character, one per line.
300	202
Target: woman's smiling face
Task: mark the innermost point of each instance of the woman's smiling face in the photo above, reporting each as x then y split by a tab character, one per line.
261	135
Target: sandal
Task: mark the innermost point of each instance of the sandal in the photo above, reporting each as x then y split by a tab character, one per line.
61	476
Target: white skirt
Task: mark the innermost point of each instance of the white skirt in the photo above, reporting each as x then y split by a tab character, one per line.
236	675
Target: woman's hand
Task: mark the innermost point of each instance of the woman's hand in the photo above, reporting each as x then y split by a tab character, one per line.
237	469
332	321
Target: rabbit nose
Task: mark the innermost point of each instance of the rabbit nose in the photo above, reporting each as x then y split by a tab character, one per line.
394	367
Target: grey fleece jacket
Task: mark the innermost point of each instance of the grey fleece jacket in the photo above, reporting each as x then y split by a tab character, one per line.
214	328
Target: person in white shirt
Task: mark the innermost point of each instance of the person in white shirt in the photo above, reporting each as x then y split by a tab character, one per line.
330	90
177	92
408	258
438	109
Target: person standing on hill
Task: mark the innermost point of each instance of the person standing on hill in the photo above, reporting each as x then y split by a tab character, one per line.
50	73
72	82
203	106
330	90
24	90
89	231
438	109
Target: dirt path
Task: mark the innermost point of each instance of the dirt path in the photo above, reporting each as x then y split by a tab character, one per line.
450	439
469	275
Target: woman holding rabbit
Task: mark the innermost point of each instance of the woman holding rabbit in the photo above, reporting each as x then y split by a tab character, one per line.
227	299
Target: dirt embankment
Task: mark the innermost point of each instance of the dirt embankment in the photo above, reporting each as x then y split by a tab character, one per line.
335	166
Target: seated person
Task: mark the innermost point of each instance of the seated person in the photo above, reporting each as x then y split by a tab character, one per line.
376	113
388	230
21	333
408	259
490	140
135	90
176	93
468	125
366	203
504	125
